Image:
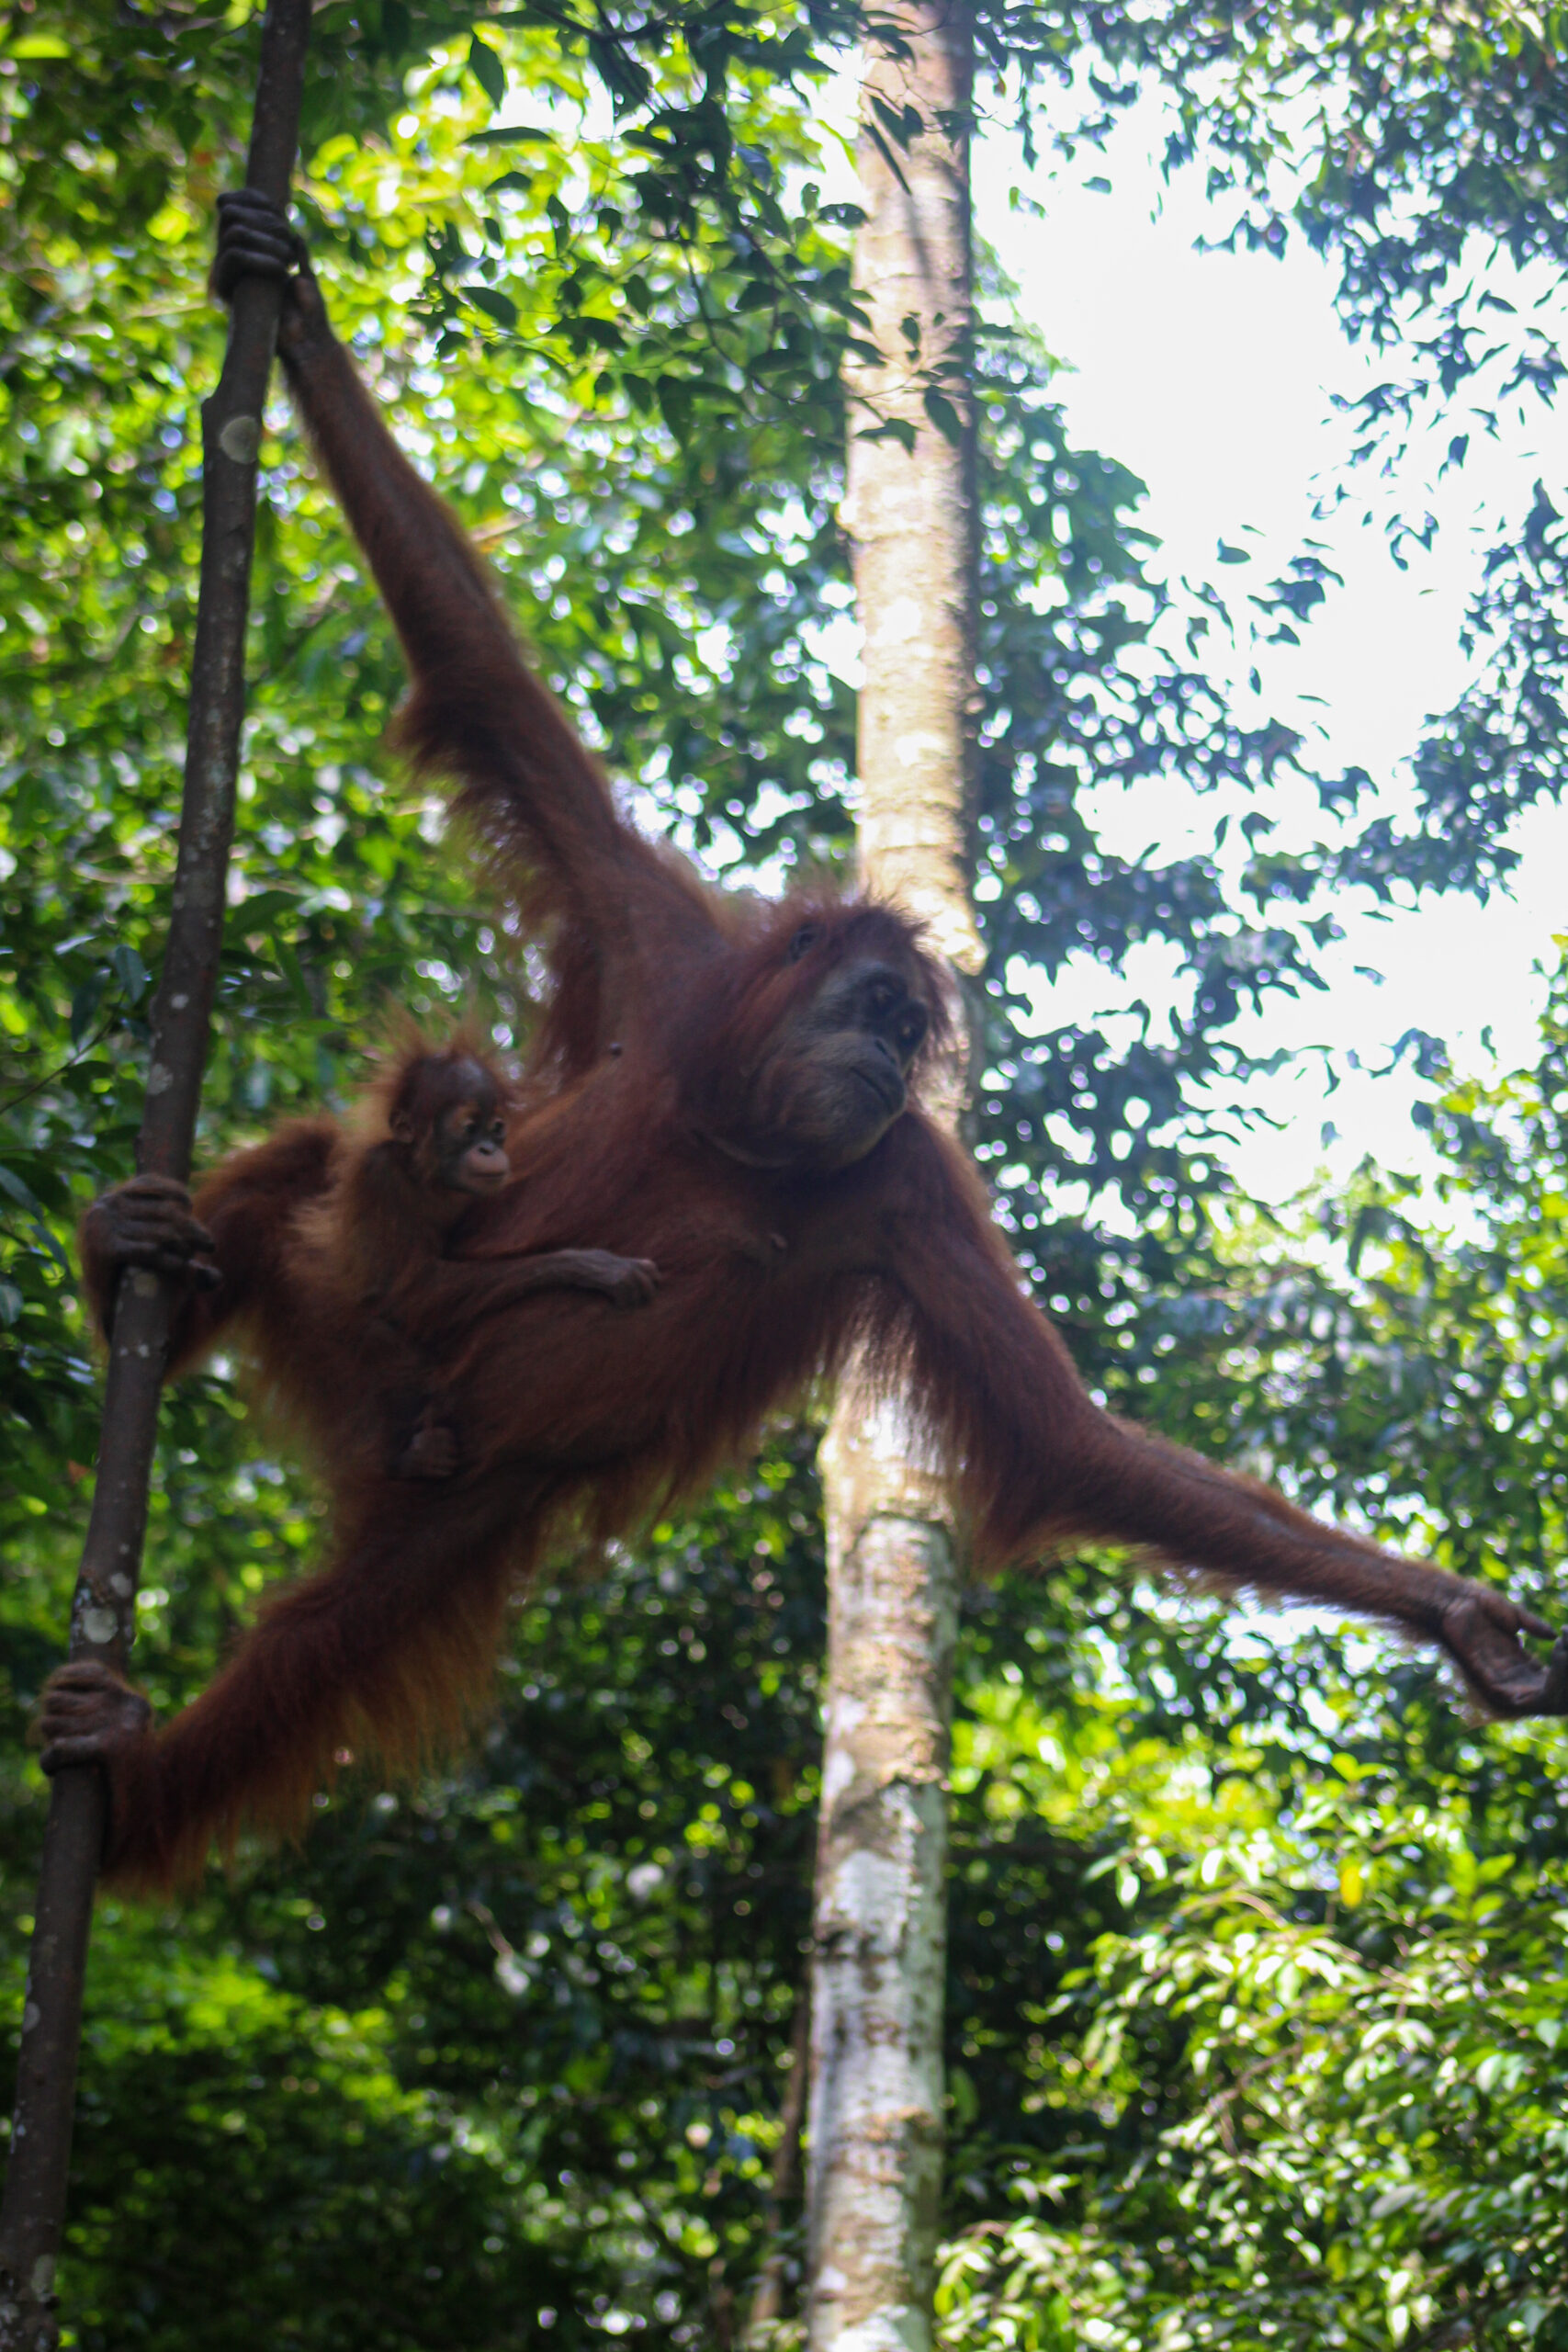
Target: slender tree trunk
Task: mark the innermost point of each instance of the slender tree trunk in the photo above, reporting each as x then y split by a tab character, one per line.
876	2100
103	1611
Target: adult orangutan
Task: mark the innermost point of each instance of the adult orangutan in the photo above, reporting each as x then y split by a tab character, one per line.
736	1099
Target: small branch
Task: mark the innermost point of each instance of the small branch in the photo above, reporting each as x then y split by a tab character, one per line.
50	1076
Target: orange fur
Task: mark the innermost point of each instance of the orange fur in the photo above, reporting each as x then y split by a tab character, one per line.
332	1242
317	1231
680	1017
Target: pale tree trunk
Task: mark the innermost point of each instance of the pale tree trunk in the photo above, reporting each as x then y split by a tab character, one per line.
880	1931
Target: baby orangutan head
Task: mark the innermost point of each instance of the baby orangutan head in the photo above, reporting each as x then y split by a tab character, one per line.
447	1122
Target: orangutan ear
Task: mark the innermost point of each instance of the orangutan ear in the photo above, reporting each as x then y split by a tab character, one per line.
401	1127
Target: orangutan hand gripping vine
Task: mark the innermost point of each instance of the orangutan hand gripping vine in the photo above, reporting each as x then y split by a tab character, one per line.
732	1100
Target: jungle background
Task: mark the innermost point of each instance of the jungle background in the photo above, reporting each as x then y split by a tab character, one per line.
1254	2017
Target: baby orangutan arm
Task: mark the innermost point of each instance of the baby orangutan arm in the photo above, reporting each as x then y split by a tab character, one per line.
461	1294
474	1287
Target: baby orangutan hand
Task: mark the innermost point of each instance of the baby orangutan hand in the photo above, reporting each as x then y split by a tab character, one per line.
625	1282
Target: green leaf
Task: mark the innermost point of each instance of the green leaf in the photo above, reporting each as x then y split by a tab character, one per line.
494	304
588	332
52	1248
397	32
889	157
259	912
289	966
675	402
486	70
511	134
892	428
86	1002
130	972
944	416
11	1182
903	123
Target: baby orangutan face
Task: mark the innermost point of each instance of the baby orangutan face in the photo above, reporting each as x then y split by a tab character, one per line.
453	1124
471	1148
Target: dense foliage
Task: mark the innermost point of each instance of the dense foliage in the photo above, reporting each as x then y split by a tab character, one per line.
508	2060
1319	2072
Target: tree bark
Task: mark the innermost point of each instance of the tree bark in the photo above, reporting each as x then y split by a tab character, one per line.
876	2096
103	1612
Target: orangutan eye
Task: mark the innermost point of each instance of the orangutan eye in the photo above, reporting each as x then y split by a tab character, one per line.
805	938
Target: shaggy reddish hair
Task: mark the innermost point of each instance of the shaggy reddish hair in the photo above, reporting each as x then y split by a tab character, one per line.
671	1003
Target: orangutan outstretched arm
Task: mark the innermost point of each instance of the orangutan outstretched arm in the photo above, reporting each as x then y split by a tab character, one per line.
1038	1463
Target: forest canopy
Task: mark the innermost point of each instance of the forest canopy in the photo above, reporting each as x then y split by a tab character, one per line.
1252	2020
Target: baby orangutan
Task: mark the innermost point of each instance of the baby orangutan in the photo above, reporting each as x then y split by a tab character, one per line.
446	1146
328	1246
380	1235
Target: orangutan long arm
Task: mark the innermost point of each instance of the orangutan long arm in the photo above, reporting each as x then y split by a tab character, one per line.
477	711
1039	1464
460	648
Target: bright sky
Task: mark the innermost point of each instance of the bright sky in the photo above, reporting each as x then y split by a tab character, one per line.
1210	375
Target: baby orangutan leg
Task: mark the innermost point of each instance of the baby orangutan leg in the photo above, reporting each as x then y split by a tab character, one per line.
87	1716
